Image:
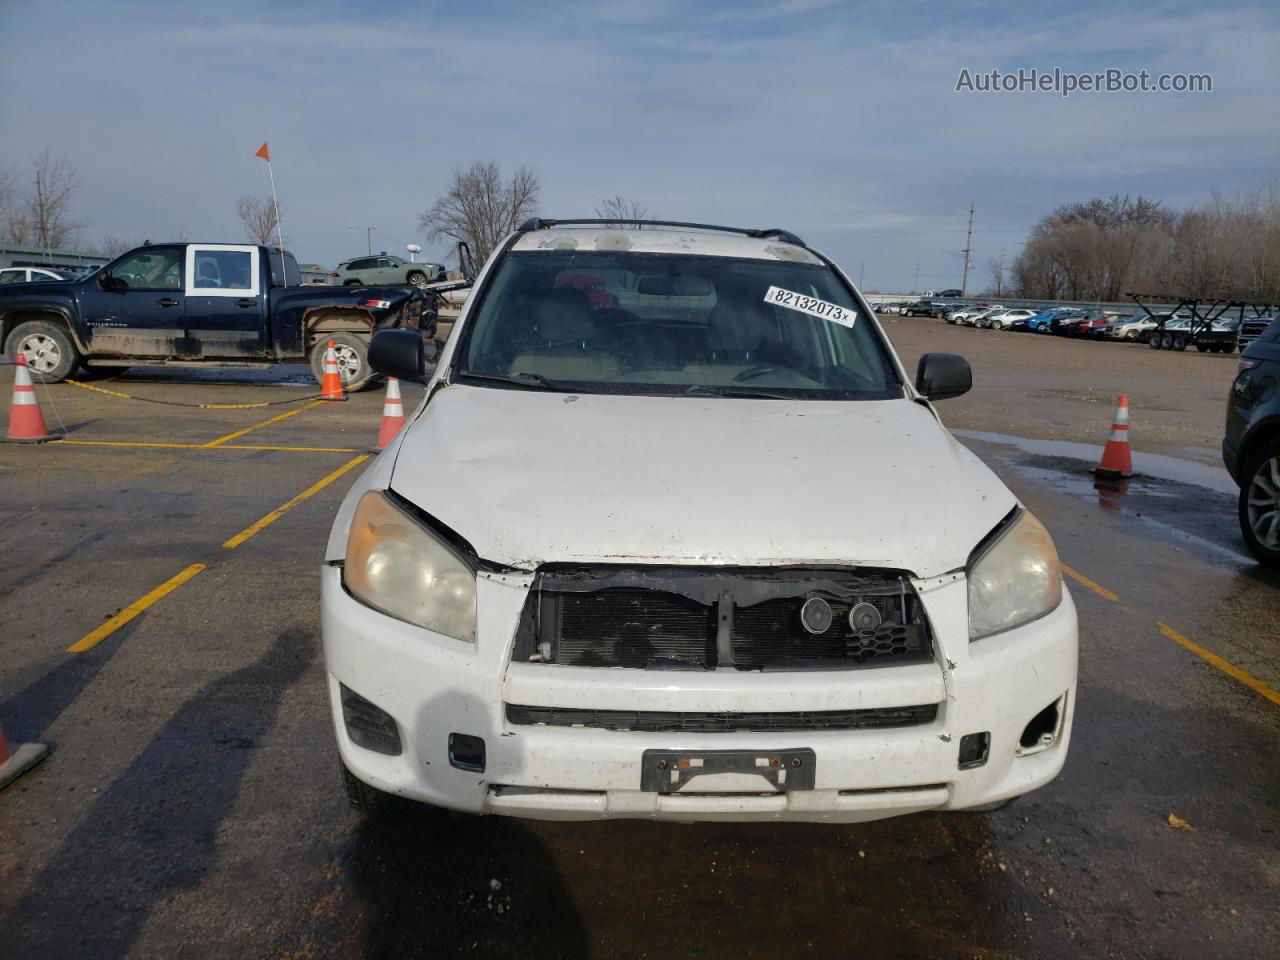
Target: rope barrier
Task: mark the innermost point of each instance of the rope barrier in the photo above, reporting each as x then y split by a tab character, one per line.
348	387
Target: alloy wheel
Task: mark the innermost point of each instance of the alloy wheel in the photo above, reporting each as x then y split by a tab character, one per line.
348	362
42	352
1264	503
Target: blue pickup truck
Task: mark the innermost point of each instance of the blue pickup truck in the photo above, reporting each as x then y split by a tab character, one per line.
198	303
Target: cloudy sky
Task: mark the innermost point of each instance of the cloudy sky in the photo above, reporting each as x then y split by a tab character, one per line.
839	121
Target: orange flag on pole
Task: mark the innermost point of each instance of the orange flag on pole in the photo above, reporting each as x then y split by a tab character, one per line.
263	152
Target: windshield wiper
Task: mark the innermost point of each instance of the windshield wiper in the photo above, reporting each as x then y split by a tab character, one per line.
738	393
528	381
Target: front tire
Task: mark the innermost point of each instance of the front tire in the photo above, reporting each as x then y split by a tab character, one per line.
1260	504
417	278
51	356
995	325
353	360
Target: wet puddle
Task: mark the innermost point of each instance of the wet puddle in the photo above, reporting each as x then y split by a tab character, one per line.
1174	501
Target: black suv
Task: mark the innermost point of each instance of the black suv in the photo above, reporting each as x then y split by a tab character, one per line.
1251	448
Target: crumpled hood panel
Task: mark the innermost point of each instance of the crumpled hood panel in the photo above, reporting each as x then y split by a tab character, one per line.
529	477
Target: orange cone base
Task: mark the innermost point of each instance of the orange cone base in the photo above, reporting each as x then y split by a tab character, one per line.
1117	462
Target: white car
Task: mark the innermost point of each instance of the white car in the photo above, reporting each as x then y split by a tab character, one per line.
965	316
32	275
702	552
975	319
1007	318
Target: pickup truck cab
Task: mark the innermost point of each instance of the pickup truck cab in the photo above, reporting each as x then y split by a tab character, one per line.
197	303
702	551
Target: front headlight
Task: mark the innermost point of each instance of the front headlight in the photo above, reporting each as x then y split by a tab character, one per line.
396	565
1016	579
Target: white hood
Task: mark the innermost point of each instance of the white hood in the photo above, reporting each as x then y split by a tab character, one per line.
528	477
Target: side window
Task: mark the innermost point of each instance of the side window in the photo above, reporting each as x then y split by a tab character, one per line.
288	275
384	262
152	268
12	276
360	265
222	271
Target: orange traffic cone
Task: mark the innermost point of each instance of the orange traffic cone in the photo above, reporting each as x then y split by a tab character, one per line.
26	422
13	765
1117	459
331	385
392	414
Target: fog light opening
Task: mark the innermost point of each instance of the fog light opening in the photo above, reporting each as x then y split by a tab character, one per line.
368	725
466	752
1042	732
974	750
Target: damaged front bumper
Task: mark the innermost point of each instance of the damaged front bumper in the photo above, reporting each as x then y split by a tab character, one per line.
981	723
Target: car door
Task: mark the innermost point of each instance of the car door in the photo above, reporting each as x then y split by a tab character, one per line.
136	307
225	300
387	271
361	270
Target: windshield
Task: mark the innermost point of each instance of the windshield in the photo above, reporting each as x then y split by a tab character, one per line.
623	322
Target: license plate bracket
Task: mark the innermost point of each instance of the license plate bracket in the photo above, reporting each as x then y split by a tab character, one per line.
670	771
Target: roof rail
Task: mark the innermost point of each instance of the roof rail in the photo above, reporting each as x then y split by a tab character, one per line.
541	223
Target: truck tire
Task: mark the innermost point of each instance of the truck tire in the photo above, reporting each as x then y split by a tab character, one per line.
417	278
51	356
1258	482
353	360
1153	341
1179	342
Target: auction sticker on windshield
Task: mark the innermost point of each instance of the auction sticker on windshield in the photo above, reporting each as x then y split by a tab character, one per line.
811	305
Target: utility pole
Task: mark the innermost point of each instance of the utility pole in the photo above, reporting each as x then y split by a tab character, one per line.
968	247
861	266
368	236
916	288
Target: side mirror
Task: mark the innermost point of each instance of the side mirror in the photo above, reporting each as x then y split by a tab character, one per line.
943	375
398	353
107	282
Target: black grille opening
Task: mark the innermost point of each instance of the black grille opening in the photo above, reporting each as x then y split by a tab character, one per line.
633	628
653	721
704	618
368	725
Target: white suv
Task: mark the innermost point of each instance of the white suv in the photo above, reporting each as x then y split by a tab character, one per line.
695	547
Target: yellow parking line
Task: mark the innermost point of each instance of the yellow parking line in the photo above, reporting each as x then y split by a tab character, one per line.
1230	669
1093	585
93	638
203	446
280	511
248	446
265	423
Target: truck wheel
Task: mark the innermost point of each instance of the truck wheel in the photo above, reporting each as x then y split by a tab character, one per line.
51	356
353	360
417	278
1203	348
1179	342
1153	341
1228	348
1260	503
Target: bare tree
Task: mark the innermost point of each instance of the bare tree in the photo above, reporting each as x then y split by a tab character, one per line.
481	207
111	245
619	207
46	210
996	271
258	216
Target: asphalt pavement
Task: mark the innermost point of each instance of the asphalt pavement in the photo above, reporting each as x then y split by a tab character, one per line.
191	804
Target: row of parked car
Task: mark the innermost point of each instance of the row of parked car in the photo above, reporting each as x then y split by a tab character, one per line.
1160	331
